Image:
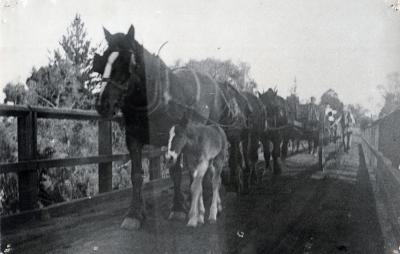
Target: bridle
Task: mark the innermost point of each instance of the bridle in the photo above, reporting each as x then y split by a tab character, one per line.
123	87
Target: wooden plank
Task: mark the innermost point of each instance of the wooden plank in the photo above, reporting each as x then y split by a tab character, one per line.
54	163
18	110
52	113
68	162
105	148
10	222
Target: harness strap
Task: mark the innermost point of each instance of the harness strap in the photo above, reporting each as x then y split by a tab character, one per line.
122	87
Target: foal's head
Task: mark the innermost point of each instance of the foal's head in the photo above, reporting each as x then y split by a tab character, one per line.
177	140
179	136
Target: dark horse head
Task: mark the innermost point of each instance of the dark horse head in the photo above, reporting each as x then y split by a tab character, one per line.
276	108
122	67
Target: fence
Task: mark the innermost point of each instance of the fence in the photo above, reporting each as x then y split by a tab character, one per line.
384	136
27	165
381	148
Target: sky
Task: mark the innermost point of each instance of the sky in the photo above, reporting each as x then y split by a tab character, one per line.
349	46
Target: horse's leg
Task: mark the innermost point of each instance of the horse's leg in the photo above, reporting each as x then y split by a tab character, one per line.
344	141
196	189
246	141
178	208
202	210
316	144
285	145
266	151
136	213
233	161
255	176
348	141
310	145
276	153
216	169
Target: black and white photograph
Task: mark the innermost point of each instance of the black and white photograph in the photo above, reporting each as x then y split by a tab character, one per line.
200	126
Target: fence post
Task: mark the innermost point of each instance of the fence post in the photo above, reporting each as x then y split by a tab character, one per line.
27	141
105	148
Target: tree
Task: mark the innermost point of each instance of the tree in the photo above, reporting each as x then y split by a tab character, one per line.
56	84
391	94
358	111
14	93
226	71
77	48
331	98
66	80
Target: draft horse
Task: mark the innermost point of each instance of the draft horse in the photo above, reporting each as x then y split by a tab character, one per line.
153	98
205	148
277	120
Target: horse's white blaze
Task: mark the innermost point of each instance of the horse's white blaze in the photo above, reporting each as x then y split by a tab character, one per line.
171	154
110	61
107	70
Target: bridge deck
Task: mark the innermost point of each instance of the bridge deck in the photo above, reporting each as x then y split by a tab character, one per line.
293	213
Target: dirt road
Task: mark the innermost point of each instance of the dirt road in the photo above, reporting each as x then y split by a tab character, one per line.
292	213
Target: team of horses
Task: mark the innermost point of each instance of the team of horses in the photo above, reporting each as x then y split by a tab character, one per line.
202	122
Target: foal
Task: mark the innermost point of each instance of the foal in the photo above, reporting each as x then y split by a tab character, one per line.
203	147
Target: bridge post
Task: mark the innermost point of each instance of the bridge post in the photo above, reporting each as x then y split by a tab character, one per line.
27	145
105	148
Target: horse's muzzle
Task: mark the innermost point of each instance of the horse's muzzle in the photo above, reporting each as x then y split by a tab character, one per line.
104	109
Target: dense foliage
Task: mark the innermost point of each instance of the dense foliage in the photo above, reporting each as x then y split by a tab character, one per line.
65	82
391	94
225	71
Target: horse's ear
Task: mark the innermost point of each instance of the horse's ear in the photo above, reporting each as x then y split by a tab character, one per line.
259	94
131	34
107	35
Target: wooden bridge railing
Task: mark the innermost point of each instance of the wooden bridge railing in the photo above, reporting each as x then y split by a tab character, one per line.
381	149
27	165
384	136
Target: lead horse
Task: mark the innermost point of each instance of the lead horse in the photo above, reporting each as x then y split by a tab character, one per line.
153	98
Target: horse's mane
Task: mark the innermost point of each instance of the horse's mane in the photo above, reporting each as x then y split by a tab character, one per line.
232	90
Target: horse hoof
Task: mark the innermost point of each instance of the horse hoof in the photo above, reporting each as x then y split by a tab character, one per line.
212	221
192	222
180	216
131	224
201	219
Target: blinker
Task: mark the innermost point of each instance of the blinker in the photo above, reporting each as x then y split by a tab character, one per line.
99	63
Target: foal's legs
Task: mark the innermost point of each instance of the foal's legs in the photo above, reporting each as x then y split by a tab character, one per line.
196	190
216	169
202	210
178	209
